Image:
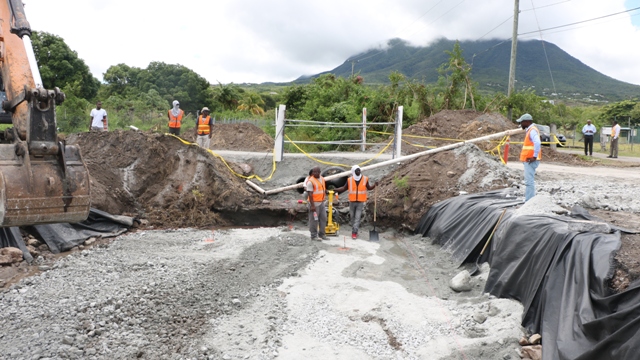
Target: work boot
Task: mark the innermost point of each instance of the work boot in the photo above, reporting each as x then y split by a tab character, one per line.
324	237
315	238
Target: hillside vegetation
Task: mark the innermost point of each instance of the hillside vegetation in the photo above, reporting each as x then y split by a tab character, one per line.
443	79
489	60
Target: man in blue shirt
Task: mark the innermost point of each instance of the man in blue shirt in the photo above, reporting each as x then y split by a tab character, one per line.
588	131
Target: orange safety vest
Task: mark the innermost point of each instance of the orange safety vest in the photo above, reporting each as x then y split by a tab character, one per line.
319	189
615	129
175	121
527	147
357	192
203	125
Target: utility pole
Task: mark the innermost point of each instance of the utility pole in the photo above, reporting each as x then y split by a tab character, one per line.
514	47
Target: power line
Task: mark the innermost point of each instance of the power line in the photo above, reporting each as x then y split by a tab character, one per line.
585	25
545	6
579	22
544	48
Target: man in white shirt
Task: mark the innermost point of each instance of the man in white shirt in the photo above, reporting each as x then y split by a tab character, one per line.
615	134
98	118
588	131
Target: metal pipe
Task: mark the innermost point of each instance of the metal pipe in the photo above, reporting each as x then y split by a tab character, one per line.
405	158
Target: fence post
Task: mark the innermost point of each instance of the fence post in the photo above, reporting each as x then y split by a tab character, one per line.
364	129
552	136
398	146
278	147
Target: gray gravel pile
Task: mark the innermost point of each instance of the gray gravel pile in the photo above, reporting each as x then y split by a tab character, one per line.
592	193
489	168
148	295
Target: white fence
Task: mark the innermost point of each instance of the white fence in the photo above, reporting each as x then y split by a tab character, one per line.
282	123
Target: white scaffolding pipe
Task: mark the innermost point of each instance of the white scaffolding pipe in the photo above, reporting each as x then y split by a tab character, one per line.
278	147
364	129
405	158
398	148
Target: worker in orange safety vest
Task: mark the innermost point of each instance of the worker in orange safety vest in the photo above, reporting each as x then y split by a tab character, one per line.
204	128
175	115
530	155
357	184
317	193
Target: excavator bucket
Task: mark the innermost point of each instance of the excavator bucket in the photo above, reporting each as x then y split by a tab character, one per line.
41	180
49	189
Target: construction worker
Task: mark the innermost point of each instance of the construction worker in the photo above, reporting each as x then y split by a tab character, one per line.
175	115
317	194
530	155
357	184
204	128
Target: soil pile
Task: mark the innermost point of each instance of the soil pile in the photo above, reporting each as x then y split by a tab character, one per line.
447	126
159	178
407	193
236	137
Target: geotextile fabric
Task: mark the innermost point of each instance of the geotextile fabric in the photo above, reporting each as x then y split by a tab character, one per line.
560	276
65	236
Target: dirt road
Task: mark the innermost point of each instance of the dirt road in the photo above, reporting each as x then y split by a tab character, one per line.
562	171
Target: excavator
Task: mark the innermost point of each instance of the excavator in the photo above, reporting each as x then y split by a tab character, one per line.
42	180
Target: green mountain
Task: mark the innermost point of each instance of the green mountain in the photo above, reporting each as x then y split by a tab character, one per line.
569	77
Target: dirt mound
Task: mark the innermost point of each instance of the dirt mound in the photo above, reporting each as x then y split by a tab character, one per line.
407	193
159	178
447	126
412	189
237	137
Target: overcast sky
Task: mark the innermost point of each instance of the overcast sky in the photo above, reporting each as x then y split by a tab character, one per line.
256	41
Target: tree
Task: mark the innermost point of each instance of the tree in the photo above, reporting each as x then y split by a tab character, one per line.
295	98
252	103
455	76
176	82
121	79
619	110
60	66
228	96
171	82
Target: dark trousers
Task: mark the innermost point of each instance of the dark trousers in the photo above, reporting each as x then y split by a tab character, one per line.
588	144
174	131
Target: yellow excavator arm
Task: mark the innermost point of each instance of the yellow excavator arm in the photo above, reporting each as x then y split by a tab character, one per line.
42	180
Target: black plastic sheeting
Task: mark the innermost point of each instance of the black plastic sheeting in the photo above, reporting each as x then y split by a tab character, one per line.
64	236
560	276
11	237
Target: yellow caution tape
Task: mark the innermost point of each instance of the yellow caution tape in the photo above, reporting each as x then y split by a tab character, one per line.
336	164
273	170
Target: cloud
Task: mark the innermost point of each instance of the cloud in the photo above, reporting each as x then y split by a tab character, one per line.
280	40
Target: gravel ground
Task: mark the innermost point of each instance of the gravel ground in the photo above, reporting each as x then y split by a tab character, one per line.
272	293
593	188
254	294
